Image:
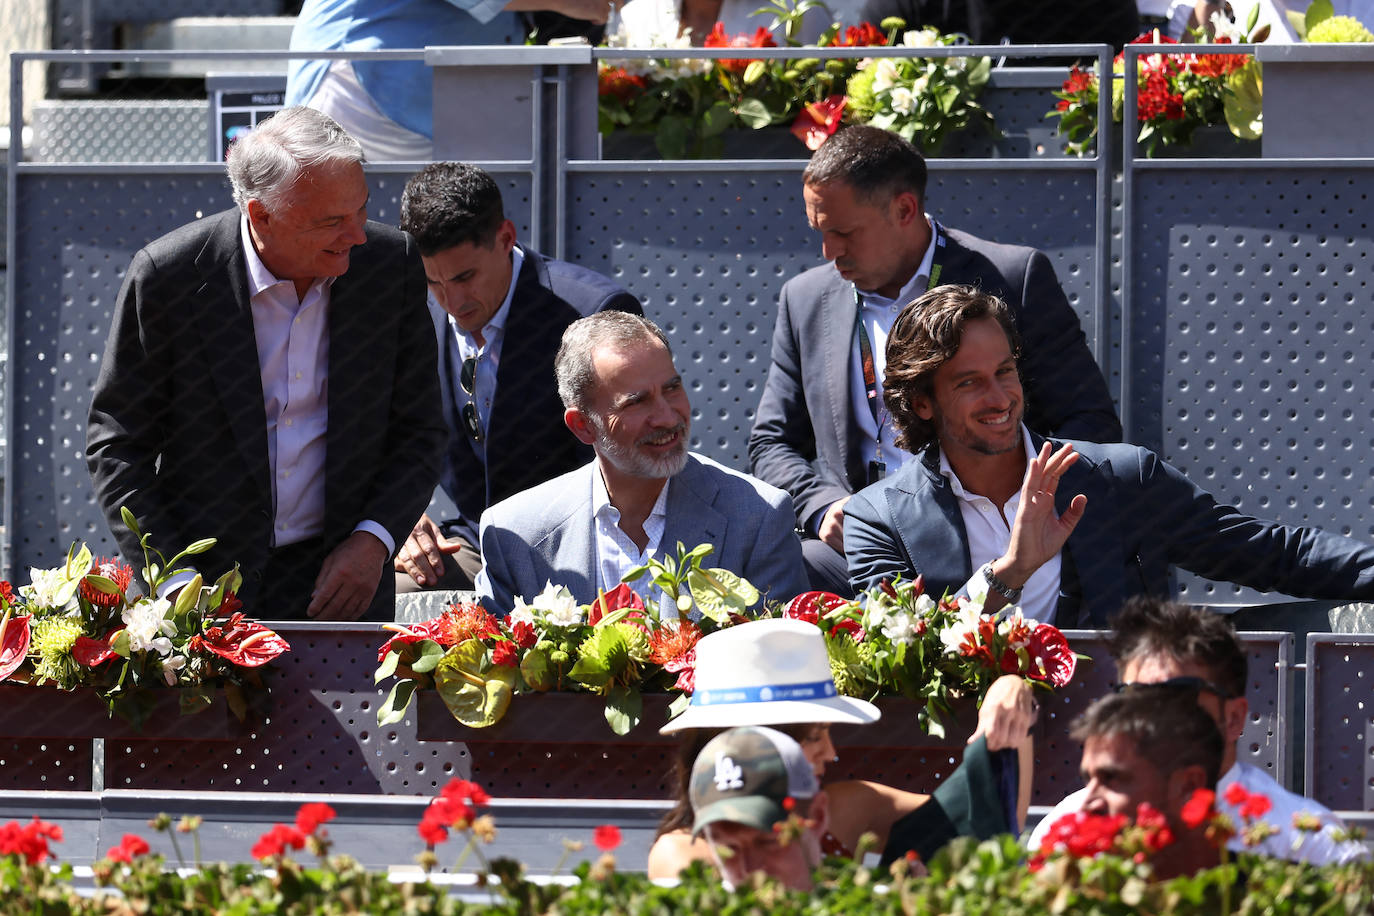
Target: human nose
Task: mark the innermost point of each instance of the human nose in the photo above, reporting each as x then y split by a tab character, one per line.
831	248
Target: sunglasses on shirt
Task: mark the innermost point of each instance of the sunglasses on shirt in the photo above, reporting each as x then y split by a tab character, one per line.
467	377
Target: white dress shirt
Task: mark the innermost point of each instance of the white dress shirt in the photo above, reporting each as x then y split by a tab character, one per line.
488	356
1320	848
616	554
989	537
293	356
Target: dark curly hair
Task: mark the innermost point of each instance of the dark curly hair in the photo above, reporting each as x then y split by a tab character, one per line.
925	336
1151	626
447	204
1168	729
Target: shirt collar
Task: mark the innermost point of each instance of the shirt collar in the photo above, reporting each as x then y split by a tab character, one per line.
601	499
957	486
259	277
497	324
917	284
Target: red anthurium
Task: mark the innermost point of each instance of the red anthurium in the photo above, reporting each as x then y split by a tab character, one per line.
818	120
619	598
1051	658
91	652
14	642
809	606
243	642
413	633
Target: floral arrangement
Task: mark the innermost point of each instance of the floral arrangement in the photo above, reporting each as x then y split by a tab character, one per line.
893	640
77	625
1099	865
687	104
1176	93
1319	24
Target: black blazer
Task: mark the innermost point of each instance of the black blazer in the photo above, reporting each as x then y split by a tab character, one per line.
178	430
806	438
527	442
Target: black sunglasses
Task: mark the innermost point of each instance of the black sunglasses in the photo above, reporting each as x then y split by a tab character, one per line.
467	377
1193	684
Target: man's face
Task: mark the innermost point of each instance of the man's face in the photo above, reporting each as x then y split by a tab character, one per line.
742	851
977	403
1118	778
639	414
470	281
876	247
319	219
1229	714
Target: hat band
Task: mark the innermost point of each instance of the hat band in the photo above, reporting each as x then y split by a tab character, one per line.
815	690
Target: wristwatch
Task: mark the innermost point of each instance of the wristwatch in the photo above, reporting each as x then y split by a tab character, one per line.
1012	595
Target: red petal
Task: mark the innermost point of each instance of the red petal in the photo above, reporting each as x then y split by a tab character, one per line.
91	652
14	644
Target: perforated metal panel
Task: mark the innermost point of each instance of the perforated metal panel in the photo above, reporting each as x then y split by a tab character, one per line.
707	253
321	734
1340	721
46	764
119	131
80	231
1249	307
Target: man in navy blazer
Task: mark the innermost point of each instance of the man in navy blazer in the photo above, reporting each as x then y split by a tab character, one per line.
267	383
821	431
643	495
1066	530
498	310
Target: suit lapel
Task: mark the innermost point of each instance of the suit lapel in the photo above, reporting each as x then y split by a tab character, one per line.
692	516
921	492
840	308
231	346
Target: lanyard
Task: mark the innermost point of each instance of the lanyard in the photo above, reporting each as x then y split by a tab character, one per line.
866	347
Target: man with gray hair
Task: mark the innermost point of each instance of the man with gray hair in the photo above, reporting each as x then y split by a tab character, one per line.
269	381
644	493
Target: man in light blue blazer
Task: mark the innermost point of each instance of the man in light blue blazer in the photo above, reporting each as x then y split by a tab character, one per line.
644	493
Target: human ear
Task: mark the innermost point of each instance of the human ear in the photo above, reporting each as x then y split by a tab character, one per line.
924	409
1235	712
576	421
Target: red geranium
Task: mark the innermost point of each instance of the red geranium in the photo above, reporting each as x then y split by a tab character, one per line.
1256	806
275	841
130	847
717	38
1156	827
456	806
6	594
504	654
1080	81
1198	809
818	120
242	642
1082	834
312	815
606	837
616	81
29	841
863	35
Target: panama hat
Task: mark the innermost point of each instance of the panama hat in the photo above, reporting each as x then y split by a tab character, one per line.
767	672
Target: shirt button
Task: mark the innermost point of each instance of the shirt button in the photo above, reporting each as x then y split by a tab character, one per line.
285	474
298	375
289	422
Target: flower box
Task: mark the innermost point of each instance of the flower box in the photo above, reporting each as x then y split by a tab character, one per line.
47	712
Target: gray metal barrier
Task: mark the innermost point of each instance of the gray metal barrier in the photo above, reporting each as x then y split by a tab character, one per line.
1339	761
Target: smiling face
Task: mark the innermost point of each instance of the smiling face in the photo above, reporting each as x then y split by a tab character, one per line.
470	281
639	417
976	404
877	247
315	224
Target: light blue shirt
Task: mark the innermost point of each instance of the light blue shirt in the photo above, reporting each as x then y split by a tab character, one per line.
616	554
488	359
402	89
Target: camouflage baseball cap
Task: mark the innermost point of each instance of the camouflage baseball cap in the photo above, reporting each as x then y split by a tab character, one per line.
744	776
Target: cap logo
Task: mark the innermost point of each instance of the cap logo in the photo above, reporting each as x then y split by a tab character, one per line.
729	775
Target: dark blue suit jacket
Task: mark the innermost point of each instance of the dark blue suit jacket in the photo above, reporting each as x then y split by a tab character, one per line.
527	442
1142	517
805	437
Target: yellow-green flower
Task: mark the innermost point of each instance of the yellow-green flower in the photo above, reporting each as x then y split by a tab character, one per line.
1338	29
53	640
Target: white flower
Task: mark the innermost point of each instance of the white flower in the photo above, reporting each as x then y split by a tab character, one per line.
902	101
170	666
918	88
148	627
50	588
900	628
1225	28
521	613
921	38
884	75
965	624
557	606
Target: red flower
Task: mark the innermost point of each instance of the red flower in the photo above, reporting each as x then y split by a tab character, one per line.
1051	659
467	620
1198	808
1156	826
228	604
1256	806
117	572
618	598
14	643
809	606
130	847
1156	100
275	841
29	841
1083	835
865	34
91	652
818	120
455	807
523	635
504	654
616	81
685	667
717	38
242	642
1079	81
1216	66
606	837
1236	795
668	643
6	594
436	629
312	815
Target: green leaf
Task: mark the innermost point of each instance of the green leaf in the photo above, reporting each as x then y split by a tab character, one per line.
535	669
120	644
1319	11
102	585
393	708
673	135
1252	19
720	593
431	653
1243	104
387	666
477	698
716	119
679	705
753	113
196	699
237	702
624	708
